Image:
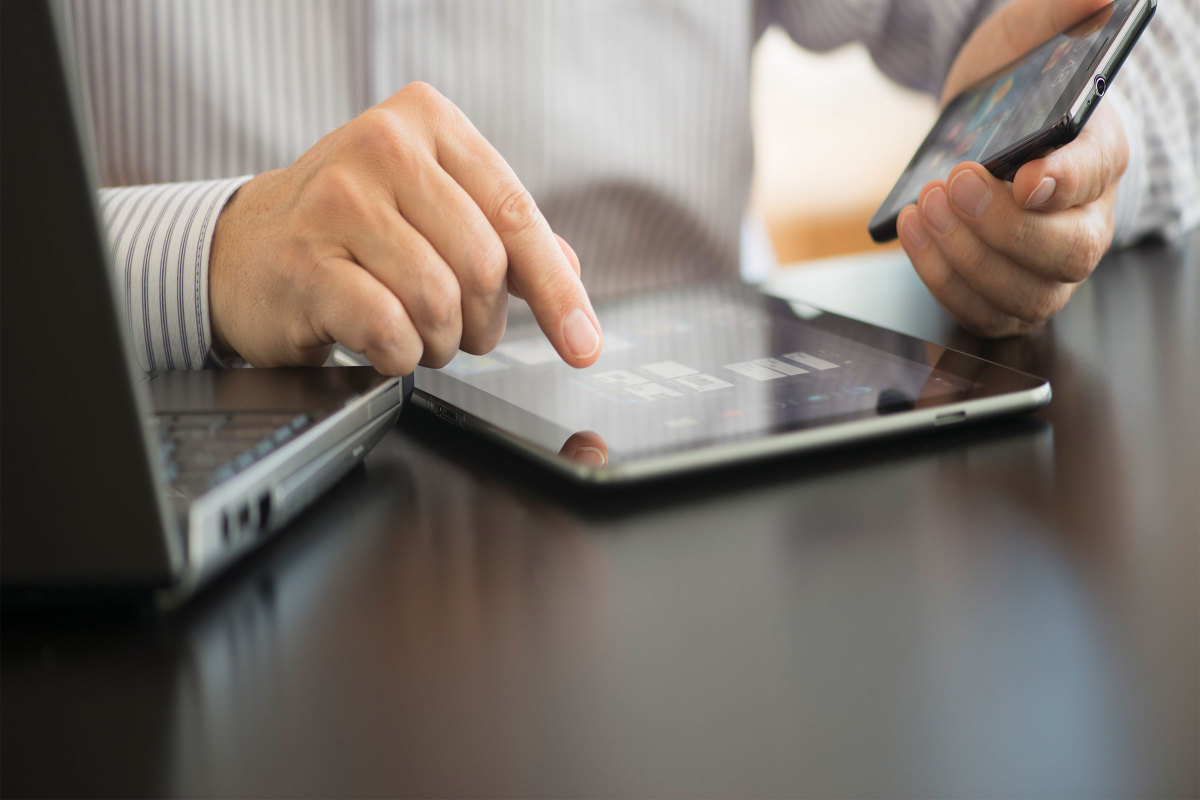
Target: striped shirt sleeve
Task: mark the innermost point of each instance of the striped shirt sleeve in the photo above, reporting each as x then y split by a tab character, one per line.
914	42
160	237
1157	95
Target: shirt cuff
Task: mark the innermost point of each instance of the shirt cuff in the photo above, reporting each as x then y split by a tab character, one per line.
161	238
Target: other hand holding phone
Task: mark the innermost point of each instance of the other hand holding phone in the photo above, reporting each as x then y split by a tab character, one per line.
1003	257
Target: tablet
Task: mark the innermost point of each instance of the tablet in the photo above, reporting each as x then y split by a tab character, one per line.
714	374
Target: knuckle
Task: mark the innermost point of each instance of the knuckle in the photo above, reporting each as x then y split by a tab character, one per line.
300	334
376	123
940	282
1104	167
1041	311
421	94
404	359
515	211
488	265
385	329
443	304
395	362
1026	234
1113	161
430	104
995	324
1069	183
545	288
484	331
383	137
442	328
1083	255
314	283
333	184
569	252
389	342
1040	307
336	192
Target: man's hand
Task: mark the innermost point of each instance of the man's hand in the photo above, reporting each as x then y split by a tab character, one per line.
399	236
1000	257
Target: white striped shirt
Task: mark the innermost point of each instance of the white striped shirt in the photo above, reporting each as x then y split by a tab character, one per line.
628	122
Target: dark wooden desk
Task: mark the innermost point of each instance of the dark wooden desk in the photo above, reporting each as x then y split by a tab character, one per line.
1006	611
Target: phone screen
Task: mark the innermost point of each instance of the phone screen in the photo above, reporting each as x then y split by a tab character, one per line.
1019	105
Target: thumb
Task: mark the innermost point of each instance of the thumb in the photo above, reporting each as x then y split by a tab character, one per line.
1009	33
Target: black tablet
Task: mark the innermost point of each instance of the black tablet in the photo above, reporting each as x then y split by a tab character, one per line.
714	374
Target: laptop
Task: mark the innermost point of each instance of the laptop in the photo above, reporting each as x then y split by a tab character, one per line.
116	483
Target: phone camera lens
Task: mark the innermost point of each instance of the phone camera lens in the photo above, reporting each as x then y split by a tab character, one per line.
1101	85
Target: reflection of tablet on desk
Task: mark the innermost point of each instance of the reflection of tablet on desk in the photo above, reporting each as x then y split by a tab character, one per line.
710	375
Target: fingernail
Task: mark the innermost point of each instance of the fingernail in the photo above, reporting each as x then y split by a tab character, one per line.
591	457
1042	194
580	333
913	231
937	211
970	193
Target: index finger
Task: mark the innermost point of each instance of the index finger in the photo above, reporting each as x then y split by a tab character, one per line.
537	266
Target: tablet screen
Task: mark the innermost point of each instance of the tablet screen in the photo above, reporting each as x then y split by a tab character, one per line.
704	366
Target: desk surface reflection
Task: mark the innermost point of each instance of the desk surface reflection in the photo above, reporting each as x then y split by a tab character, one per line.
1011	610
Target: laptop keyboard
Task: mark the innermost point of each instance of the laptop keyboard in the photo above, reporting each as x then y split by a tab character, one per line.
202	450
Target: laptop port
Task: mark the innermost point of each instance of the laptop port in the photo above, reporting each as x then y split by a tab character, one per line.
243	518
264	511
224	528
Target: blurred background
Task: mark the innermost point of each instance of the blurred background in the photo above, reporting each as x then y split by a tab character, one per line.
831	135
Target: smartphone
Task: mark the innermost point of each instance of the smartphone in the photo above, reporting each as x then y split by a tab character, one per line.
1024	110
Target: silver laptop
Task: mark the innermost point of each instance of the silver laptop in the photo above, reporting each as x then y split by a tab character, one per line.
116	483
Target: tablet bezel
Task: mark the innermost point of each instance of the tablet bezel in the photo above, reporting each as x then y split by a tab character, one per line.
995	391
